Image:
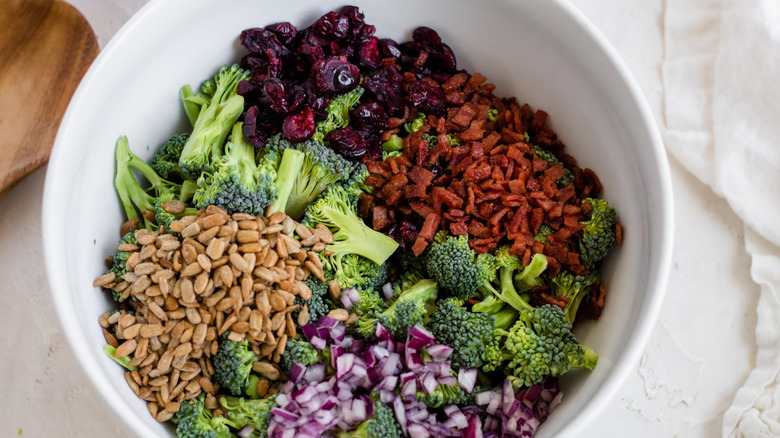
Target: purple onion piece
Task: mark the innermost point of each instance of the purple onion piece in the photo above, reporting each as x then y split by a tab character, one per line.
467	379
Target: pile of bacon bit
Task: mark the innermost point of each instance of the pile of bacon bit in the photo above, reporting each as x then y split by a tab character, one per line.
491	186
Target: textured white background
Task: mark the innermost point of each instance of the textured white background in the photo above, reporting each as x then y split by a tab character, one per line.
701	351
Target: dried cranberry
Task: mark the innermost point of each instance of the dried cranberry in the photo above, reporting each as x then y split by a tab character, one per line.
261	69
406	234
426	36
368	55
312	53
300	126
389	49
426	97
250	124
359	31
369	120
332	26
335	76
257	128
275	96
263	42
285	32
348	143
297	97
248	90
387	86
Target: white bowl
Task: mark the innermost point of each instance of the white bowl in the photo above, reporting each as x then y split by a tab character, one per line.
543	52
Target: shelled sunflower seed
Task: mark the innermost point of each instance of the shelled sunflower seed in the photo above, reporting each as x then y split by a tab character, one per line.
237	274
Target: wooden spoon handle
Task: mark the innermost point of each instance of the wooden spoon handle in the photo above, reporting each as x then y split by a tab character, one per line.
43	56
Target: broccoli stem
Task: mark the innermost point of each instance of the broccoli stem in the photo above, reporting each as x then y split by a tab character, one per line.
289	167
190	102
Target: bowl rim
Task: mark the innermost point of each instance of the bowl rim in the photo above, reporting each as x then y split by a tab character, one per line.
637	341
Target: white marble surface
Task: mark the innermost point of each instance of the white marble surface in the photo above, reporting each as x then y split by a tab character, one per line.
701	351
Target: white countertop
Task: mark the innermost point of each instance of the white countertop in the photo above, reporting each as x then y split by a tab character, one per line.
701	350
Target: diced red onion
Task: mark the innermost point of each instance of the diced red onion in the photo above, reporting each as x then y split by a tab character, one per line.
328	322
315	372
310	331
448	380
387	291
467	379
508	395
419	338
474	428
439	351
245	431
284	414
429	382
296	372
318	343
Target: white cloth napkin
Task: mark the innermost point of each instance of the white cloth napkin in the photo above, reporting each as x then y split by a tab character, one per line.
721	78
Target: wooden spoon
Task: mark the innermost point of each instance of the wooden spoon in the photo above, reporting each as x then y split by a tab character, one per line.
46	47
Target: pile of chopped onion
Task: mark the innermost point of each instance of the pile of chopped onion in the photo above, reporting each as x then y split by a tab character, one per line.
338	395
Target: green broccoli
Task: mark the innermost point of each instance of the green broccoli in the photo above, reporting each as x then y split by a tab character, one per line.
492	356
338	114
544	231
196	421
512	281
568	176
393	144
124	361
541	344
318	304
492	115
598	236
320	168
336	210
220	108
454	265
240	412
184	194
574	288
237	183
233	365
449	395
465	331
119	265
166	161
413	306
368	308
416	124
301	351
382	424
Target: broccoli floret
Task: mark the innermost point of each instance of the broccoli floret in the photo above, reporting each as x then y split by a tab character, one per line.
568	176
240	412
220	108
196	421
455	266
237	183
512	281
382	425
133	197
356	184
574	288
598	236
465	331
301	351
492	356
119	266
317	305
448	395
320	168
368	308
338	114
544	231
413	306
393	144
336	210
416	124
166	161
492	115
184	194
124	361
233	364
541	344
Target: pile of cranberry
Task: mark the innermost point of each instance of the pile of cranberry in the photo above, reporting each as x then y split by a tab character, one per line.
295	74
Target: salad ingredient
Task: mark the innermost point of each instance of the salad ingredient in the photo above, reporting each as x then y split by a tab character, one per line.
465	331
598	235
337	211
233	364
237	183
381	425
247	415
454	265
166	160
195	421
540	344
320	168
410	308
219	109
573	289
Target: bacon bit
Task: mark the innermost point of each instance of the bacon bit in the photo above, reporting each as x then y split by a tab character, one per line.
496	219
440	195
464	115
421	175
393	165
459	228
556	301
415	191
618	233
471	134
478	171
419	246
430	226
378	167
380	221
454	82
395	122
374	181
554	172
540	117
422	208
478	229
